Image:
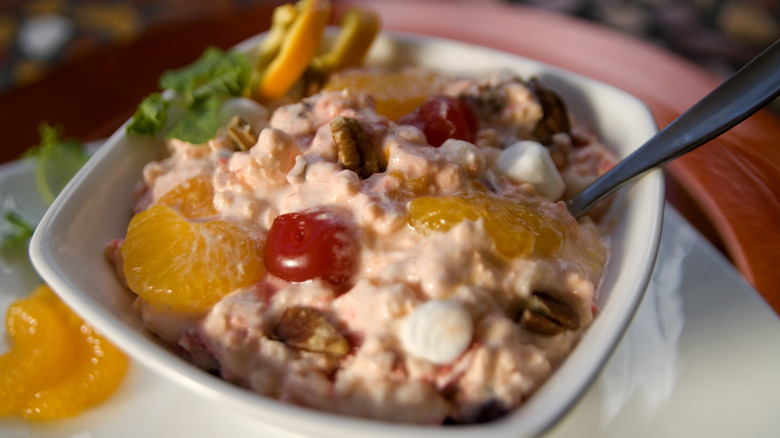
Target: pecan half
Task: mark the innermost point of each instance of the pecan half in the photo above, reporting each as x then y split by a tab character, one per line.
555	116
356	153
242	133
548	316
307	329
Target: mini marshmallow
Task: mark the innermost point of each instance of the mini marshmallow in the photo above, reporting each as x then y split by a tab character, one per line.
530	162
438	331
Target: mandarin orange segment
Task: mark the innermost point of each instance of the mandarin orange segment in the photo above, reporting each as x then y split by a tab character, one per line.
188	266
396	93
516	229
42	351
193	198
400	187
97	372
58	365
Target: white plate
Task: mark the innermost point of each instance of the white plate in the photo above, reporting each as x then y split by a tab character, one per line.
17	279
146	405
699	359
95	207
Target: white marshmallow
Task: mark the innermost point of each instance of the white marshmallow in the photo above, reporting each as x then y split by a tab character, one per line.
530	162
438	331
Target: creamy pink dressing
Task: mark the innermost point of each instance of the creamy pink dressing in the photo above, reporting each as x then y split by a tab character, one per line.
294	166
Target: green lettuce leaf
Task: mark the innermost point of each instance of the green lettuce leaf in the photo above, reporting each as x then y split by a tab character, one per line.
199	124
56	161
150	116
20	231
200	86
214	73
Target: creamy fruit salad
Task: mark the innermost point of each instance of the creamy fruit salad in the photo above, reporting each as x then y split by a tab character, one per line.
390	244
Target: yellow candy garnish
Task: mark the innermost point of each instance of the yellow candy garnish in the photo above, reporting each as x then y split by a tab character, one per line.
299	46
359	27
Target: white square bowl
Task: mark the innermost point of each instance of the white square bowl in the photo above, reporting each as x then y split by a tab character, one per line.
96	206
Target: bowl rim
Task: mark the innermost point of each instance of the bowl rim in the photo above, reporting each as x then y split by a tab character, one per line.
533	417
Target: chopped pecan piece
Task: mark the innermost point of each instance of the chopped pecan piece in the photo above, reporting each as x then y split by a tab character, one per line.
548	316
555	116
307	329
242	133
356	153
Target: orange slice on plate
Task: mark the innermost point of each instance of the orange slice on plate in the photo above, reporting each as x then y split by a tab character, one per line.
58	365
41	354
98	369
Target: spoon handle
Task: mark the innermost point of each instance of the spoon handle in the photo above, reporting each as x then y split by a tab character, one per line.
741	95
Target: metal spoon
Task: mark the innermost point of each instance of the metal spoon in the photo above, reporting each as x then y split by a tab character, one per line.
741	95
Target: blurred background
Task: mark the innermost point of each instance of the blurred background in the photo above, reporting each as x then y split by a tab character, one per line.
37	36
83	65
